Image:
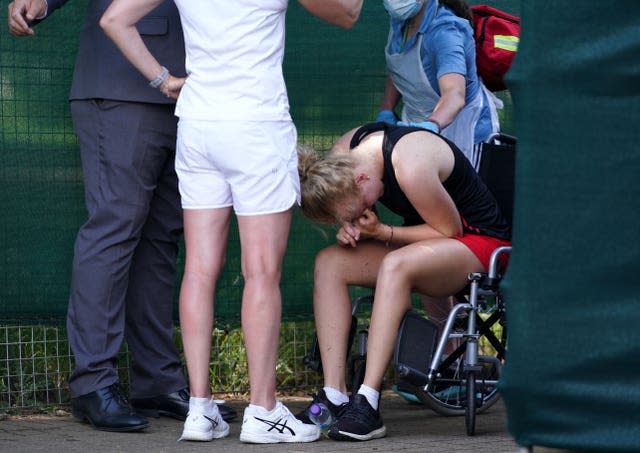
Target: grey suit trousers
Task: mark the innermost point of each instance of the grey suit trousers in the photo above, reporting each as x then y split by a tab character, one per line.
124	266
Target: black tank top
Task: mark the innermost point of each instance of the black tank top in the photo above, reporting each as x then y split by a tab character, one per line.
478	208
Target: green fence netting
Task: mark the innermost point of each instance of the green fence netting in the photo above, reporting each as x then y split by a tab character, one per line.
335	80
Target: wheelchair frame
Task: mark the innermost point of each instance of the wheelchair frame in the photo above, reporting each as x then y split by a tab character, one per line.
465	381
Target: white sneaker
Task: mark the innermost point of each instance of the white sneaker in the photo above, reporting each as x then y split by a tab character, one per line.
201	427
279	426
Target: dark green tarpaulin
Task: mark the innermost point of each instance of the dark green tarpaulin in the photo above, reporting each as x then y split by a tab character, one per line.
572	376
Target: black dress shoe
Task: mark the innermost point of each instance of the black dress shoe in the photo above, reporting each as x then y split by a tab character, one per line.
107	410
227	413
175	405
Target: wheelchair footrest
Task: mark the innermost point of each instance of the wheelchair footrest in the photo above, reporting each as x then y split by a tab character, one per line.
415	346
411	375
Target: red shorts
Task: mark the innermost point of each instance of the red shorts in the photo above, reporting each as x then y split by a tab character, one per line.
482	246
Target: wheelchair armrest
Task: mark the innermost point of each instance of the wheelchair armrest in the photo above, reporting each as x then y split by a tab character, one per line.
494	261
502	138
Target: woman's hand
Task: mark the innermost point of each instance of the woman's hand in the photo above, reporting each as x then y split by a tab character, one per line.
369	225
171	86
348	234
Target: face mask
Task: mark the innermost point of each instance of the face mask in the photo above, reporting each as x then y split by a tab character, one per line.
403	9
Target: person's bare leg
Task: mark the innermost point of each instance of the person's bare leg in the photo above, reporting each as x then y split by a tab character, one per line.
205	234
336	267
263	242
437	267
437	310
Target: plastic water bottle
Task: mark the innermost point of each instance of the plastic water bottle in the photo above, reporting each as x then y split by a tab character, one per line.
321	416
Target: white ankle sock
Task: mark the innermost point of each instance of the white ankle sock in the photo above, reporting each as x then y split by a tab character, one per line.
335	396
372	395
200	404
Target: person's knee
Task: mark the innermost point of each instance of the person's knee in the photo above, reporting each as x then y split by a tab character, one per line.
326	263
262	267
267	278
393	267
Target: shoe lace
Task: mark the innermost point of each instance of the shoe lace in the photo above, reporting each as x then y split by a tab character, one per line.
118	394
284	411
356	412
184	393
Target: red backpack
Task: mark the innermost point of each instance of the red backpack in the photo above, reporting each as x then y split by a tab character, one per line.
497	34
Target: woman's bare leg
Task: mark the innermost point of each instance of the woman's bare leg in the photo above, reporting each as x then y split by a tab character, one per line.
263	242
337	267
205	233
437	310
436	267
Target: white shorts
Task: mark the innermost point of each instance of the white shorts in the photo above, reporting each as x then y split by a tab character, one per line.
250	165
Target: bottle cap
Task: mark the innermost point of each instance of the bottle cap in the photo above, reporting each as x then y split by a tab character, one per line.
315	409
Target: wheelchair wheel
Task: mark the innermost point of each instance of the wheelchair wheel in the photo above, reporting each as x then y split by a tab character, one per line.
450	395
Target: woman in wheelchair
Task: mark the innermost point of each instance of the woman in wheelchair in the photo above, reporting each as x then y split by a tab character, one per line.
452	223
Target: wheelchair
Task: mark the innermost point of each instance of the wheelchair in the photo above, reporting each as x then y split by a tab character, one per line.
463	381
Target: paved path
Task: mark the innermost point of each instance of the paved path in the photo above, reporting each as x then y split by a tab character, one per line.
410	428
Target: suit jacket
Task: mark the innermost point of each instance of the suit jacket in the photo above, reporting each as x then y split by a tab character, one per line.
101	71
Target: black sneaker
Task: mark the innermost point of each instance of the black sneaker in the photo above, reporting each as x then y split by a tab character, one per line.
321	397
358	422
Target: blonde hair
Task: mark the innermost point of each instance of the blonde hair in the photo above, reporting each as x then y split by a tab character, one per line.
325	182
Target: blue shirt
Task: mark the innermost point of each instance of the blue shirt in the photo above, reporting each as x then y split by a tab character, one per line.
448	46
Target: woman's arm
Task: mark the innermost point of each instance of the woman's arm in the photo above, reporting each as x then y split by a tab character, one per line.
390	100
452	99
422	161
343	13
368	226
118	22
391	96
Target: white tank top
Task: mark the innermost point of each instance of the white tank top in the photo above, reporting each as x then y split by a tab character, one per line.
234	53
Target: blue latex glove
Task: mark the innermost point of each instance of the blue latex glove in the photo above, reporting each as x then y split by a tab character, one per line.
387	116
428	125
